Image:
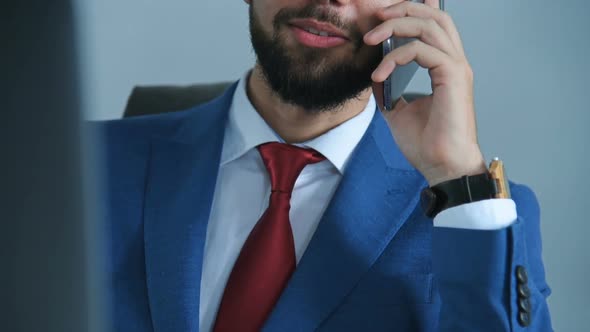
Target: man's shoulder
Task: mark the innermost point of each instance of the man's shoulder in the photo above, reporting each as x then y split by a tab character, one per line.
139	127
126	143
165	124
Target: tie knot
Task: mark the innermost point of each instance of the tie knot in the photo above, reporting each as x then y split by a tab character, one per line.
285	162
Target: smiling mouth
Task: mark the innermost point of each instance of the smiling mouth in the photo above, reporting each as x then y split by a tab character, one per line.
317	32
316	39
318	28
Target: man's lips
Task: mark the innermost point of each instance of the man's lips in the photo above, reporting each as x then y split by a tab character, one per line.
321	27
316	34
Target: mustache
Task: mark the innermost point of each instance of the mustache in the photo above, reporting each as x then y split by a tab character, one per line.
321	14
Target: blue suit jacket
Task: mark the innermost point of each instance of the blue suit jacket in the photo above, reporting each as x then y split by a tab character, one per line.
375	262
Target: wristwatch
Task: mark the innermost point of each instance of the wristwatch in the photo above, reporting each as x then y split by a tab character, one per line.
466	189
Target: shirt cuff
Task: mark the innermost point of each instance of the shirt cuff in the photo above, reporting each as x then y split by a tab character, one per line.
489	214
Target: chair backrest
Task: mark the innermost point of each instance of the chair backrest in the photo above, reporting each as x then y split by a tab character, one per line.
146	100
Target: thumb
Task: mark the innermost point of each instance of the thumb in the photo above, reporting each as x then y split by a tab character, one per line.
400	104
411	116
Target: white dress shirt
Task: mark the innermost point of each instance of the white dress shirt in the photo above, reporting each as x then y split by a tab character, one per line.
242	194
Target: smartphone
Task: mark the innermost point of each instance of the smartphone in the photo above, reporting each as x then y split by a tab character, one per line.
395	85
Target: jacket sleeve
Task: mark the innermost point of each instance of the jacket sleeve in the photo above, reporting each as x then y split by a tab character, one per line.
493	280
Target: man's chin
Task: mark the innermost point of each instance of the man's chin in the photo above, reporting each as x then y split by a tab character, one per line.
314	61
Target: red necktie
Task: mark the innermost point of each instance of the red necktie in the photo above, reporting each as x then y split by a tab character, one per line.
267	259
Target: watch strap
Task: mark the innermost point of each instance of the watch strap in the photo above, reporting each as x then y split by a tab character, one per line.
465	189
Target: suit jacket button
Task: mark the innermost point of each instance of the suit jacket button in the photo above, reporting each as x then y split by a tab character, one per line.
521	275
524	305
524	291
524	318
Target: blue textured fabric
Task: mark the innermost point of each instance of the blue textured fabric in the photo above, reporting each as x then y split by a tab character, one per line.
375	262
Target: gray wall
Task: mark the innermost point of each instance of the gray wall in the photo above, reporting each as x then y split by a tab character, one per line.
530	60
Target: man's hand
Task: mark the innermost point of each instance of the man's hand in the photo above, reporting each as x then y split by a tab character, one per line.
437	133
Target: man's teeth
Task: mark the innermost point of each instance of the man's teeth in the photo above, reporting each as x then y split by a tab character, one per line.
317	32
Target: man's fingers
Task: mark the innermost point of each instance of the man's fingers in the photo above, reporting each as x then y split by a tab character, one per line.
407	8
425	29
425	55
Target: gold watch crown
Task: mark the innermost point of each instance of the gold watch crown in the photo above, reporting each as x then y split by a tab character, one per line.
498	173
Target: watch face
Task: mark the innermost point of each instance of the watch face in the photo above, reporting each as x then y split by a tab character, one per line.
428	201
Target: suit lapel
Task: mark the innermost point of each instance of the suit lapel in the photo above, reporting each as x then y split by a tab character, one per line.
375	197
180	185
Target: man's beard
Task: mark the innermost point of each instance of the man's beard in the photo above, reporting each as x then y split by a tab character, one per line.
309	79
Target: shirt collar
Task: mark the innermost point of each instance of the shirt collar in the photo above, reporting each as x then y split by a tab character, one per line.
246	129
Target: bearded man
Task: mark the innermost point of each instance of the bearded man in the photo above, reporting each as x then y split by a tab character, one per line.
294	203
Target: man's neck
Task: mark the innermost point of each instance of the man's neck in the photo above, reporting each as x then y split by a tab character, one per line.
295	124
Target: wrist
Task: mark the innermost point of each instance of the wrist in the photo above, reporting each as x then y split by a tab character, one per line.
447	172
466	188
